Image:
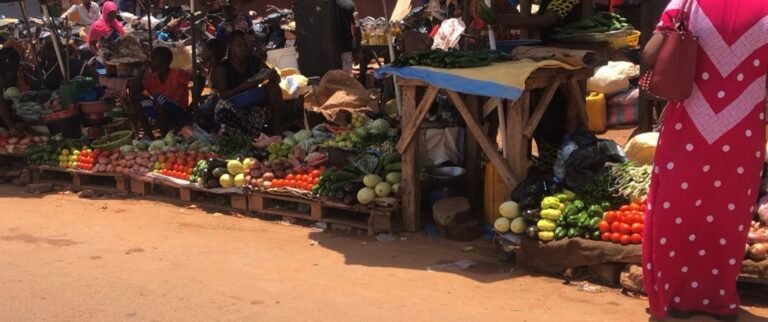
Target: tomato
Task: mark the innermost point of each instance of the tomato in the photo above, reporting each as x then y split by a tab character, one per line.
616	227
634	206
636	238
625	208
611	217
606	236
626	229
308	186
616	237
622	218
315	174
290	177
625	239
604	226
637	228
315	180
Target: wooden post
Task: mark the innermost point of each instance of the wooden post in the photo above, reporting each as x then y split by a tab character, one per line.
491	150
410	170
517	145
472	183
412	127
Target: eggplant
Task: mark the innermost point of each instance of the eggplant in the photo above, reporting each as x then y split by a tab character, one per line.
218	172
239	157
214	163
353	186
260	154
532	215
205	174
532	231
529	201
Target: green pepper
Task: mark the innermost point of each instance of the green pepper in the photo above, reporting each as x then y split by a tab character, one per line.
606	206
584	223
570	210
579	204
561	222
572	221
560	233
595	211
594	223
595	235
572	232
546	236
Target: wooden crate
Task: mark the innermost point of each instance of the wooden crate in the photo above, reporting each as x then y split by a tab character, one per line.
169	192
80	179
371	219
280	205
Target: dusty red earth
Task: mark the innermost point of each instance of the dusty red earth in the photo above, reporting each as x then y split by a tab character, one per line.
68	259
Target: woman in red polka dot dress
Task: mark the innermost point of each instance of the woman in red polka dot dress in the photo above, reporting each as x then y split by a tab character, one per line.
708	164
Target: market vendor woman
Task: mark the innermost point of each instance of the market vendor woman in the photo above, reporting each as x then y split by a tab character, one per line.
245	101
106	27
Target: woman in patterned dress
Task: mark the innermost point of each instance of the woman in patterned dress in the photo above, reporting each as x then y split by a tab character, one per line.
233	77
708	164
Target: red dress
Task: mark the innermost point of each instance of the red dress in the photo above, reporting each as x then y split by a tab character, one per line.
709	163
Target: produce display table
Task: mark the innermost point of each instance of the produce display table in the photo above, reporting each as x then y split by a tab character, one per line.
517	126
185	192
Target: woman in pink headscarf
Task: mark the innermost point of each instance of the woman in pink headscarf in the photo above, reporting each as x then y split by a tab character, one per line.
106	26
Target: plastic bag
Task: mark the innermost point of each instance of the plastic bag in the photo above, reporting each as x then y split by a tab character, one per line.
612	78
448	35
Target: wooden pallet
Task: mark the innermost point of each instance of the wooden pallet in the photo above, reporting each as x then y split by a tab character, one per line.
371	219
169	192
80	179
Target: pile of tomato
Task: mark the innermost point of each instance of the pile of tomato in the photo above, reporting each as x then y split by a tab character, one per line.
299	181
624	226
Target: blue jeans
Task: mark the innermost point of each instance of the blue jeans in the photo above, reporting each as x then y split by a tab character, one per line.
175	113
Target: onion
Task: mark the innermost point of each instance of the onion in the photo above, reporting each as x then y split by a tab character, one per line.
752	237
746	250
758	252
762	236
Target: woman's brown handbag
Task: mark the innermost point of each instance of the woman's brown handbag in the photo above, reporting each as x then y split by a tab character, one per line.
670	60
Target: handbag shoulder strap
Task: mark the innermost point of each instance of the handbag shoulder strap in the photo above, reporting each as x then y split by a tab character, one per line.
684	15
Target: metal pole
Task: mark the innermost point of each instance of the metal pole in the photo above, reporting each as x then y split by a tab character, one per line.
195	85
491	34
391	57
149	26
56	41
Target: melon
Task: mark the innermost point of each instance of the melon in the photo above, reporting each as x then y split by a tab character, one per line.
371	180
394	177
366	195
383	189
240	180
226	181
234	167
509	209
501	225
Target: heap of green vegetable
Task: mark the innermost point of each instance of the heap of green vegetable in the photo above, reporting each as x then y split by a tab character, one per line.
363	181
599	23
449	59
629	180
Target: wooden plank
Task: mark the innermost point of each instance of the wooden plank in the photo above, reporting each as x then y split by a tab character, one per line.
489	148
238	201
473	186
123	184
255	202
404	82
541	107
410	186
525	11
413	127
517	115
138	187
185	195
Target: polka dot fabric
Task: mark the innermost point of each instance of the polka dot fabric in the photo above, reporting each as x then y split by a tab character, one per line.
708	163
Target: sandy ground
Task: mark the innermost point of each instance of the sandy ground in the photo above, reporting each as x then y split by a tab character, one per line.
69	259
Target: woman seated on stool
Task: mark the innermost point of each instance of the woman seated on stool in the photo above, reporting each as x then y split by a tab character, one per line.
242	108
168	100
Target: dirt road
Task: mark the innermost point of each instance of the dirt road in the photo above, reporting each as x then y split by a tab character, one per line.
69	259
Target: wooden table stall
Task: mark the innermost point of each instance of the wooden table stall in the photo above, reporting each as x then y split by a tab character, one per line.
517	123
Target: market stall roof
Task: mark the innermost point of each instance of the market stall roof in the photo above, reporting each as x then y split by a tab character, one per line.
8	21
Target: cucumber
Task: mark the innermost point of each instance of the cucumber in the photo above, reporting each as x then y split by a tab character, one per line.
391	158
393	167
343	176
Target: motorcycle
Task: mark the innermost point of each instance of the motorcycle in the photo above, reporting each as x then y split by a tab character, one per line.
269	28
